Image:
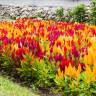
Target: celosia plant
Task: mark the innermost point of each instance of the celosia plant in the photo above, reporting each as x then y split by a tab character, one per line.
70	46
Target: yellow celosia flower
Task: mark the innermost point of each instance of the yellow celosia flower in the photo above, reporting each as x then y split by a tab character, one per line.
91	57
72	71
59	75
88	70
78	71
60	39
88	59
94	71
57	50
16	46
89	74
75	38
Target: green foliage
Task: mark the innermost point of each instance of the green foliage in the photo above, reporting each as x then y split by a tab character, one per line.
6	62
69	16
93	12
45	72
79	13
26	70
41	15
68	86
41	72
13	17
60	13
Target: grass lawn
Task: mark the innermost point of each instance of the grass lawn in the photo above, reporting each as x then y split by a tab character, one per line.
8	88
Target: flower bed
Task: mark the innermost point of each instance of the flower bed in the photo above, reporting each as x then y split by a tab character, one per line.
60	55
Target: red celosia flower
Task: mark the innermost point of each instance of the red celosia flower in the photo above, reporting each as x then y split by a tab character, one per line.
65	49
4	31
79	27
71	32
58	43
40	54
51	49
58	57
64	63
72	43
1	47
13	55
50	57
75	52
20	52
82	65
79	42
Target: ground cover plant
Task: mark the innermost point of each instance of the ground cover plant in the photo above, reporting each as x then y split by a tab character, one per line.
49	54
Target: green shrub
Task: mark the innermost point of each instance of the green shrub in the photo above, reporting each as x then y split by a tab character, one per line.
60	13
69	16
46	73
93	12
26	70
40	15
41	72
68	86
80	13
6	62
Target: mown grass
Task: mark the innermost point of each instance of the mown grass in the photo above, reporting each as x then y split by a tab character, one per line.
8	88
